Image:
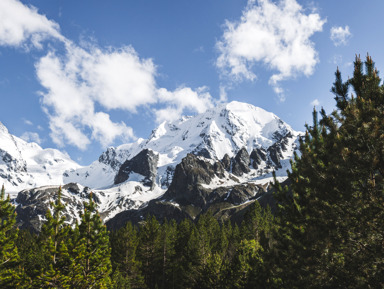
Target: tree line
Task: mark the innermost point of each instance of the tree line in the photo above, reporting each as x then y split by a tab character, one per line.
328	231
205	254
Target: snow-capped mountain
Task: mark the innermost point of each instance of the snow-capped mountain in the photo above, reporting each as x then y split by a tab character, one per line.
221	131
223	158
26	165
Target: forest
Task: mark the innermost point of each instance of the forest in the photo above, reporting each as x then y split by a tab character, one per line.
328	231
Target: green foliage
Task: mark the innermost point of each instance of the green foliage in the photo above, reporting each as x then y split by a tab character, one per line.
53	241
11	276
332	223
91	253
149	250
31	253
126	266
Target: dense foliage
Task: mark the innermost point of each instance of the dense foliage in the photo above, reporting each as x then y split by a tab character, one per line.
331	232
328	231
205	254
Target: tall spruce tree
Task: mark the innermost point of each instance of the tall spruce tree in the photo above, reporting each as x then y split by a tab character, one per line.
149	251
331	231
10	273
91	253
125	264
53	240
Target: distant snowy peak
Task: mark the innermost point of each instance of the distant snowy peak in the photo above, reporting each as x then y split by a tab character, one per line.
26	165
220	131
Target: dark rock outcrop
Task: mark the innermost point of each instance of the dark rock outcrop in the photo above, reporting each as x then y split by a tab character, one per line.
241	163
276	150
32	205
144	163
189	175
109	158
160	209
257	156
13	164
190	195
226	161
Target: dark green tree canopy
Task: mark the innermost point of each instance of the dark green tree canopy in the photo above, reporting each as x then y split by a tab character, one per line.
332	221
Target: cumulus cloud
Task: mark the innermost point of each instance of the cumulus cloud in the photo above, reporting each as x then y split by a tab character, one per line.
75	82
181	100
31	137
110	79
21	25
340	36
274	34
82	84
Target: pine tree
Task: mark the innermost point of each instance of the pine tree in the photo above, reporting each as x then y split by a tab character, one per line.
182	257
53	240
247	265
10	273
31	254
331	221
91	261
167	252
124	245
149	250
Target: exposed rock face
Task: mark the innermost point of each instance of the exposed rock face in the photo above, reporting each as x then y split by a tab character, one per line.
13	164
189	175
109	158
276	150
144	163
160	209
33	204
226	161
241	163
257	156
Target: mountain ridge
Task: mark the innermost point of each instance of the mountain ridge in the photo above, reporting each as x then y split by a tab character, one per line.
239	145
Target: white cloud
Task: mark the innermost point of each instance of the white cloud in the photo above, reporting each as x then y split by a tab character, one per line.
74	84
113	79
120	79
315	102
82	79
21	25
276	35
182	100
340	35
83	84
31	137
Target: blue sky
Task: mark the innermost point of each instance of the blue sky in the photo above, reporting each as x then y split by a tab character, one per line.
84	75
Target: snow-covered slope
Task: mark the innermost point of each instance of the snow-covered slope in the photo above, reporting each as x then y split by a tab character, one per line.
26	165
219	131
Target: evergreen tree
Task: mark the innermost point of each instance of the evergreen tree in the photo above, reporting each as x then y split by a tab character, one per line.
182	258
125	264
247	265
10	273
167	252
31	254
332	220
149	250
53	240
257	223
91	261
